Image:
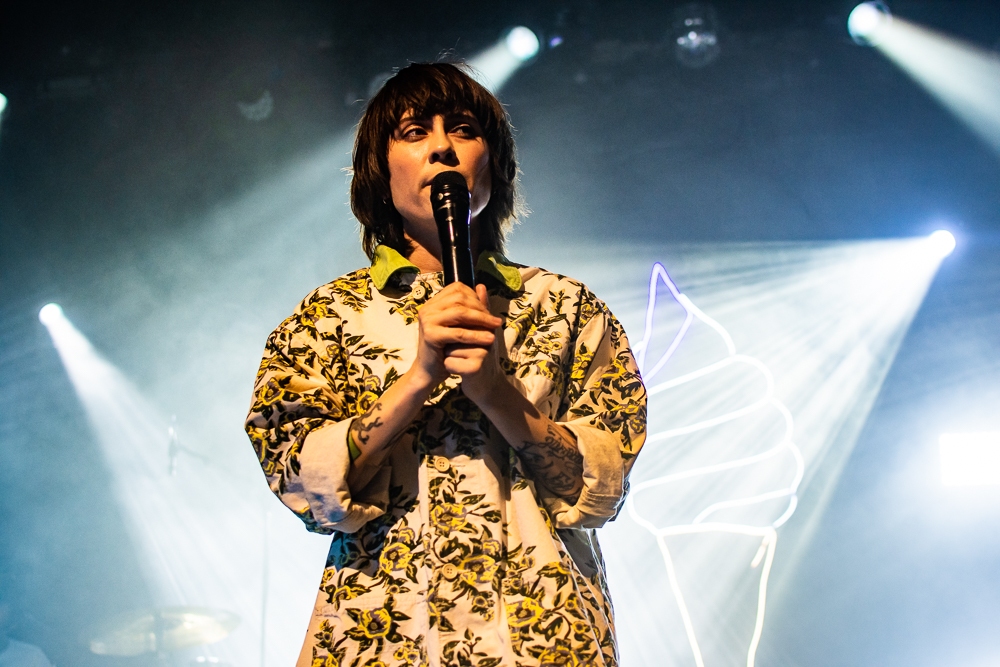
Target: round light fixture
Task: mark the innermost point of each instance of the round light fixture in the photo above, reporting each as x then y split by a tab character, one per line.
942	241
50	314
522	43
867	20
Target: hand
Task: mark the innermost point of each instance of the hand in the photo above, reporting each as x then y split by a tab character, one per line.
478	365
453	324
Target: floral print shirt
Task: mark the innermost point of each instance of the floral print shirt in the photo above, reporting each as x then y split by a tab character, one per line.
451	555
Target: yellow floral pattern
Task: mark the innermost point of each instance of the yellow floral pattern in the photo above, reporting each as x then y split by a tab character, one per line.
458	560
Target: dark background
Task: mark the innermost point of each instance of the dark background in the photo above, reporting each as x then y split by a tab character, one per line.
122	133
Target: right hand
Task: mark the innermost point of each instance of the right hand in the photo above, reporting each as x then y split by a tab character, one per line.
455	316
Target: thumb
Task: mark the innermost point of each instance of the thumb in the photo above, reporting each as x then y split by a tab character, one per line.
483	297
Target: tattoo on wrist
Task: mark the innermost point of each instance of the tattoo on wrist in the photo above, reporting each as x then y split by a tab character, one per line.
554	462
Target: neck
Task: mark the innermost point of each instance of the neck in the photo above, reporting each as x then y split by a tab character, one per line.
426	254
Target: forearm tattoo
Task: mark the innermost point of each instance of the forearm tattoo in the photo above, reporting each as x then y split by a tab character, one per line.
555	462
363	426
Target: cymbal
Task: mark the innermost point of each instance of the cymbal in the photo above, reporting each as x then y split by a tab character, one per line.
163	630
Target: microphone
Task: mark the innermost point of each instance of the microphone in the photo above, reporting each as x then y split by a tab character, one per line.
452	206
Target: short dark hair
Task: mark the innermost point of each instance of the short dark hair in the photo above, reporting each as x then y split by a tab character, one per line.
429	89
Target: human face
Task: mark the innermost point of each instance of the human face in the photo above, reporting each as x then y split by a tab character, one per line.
419	150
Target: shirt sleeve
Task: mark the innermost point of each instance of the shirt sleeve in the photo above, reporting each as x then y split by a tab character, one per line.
301	412
604	406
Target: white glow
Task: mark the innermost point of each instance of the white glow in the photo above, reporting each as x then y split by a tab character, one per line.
942	242
813	327
764	401
970	459
196	533
496	64
50	313
866	22
3	102
963	77
522	43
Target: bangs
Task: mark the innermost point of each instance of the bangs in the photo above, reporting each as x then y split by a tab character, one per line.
431	92
427	90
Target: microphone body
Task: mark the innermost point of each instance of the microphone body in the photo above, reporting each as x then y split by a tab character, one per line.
452	205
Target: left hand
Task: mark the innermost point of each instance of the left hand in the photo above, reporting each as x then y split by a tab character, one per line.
478	366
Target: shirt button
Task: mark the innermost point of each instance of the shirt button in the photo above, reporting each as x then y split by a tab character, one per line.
441	464
419	291
449	571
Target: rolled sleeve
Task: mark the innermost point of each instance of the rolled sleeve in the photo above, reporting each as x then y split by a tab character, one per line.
603	481
321	485
299	421
606	412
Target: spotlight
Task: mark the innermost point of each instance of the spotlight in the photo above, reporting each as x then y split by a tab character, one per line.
522	43
867	20
942	242
515	48
3	102
695	33
50	314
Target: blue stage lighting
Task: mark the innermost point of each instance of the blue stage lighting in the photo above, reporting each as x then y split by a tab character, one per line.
522	43
50	314
867	20
942	242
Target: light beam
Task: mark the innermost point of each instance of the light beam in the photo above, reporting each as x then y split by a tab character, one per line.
196	534
494	66
963	77
761	373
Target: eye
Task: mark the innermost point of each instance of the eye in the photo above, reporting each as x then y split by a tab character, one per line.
465	130
411	132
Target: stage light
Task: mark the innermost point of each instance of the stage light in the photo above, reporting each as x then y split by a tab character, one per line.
942	242
970	459
512	51
762	363
867	20
964	77
205	542
522	43
696	41
3	103
50	314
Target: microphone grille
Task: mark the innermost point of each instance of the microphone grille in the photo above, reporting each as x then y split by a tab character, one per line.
449	180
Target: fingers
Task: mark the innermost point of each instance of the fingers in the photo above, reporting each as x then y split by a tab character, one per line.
458	316
457	295
462	367
465	360
457	306
443	337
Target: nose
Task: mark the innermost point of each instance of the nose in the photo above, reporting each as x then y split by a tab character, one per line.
442	148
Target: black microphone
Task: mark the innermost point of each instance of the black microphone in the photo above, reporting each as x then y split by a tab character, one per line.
452	206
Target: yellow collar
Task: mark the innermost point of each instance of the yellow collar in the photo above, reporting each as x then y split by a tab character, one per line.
389	263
